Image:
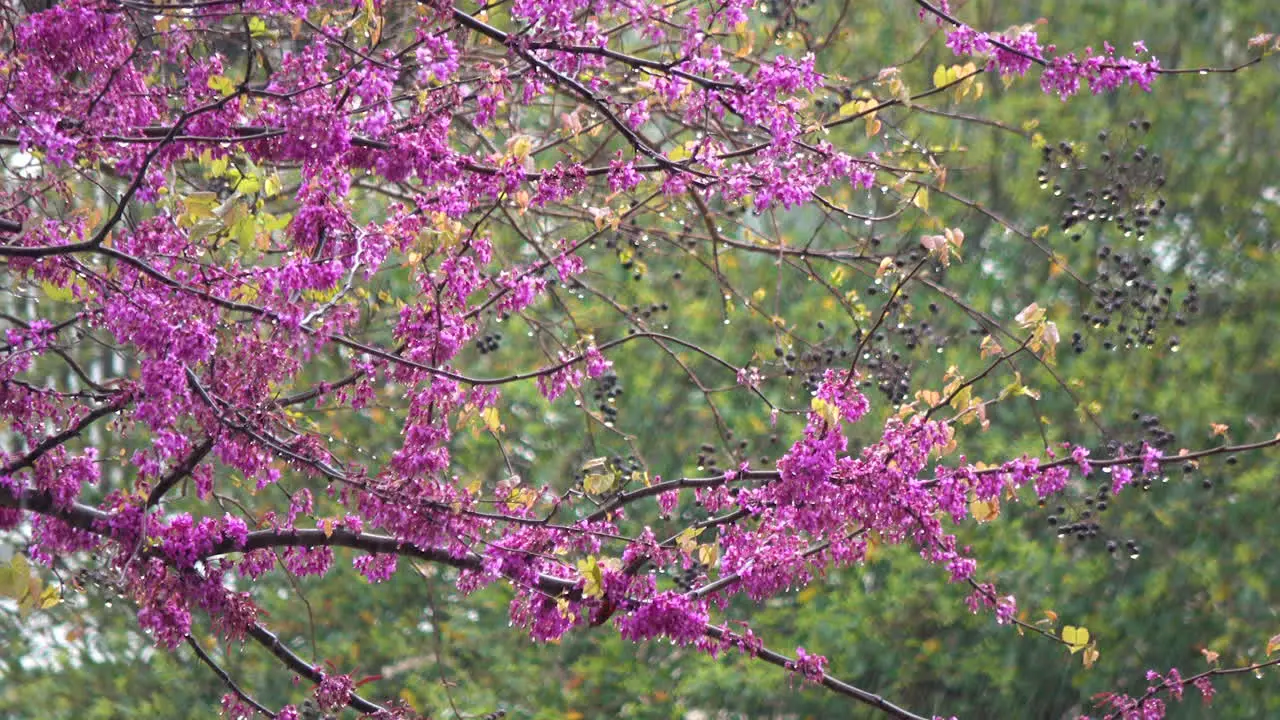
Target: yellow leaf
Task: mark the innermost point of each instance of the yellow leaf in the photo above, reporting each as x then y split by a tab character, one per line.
886	266
1090	656
222	84
1076	638
807	594
49	598
407	695
321	296
921	200
248	184
490	417
218	166
853	107
686	540
598	479
198	206
519	147
589	567
1273	644
825	410
272	186
940	76
521	497
708	555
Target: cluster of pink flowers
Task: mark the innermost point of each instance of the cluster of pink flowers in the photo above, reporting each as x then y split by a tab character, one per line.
1150	706
1063	73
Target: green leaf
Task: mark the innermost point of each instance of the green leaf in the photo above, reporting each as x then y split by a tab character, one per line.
198	206
57	292
217	167
599	479
204	229
248	185
244	231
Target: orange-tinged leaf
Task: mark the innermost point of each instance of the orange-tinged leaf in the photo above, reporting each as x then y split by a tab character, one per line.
985	511
1273	644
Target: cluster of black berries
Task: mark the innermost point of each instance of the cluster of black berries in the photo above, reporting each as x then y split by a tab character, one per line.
1153	433
607	390
1132	304
627	466
707	458
1119	186
811	362
885	368
1205	482
648	312
687	579
922	333
881	366
1083	520
889	373
630	251
617	465
489	343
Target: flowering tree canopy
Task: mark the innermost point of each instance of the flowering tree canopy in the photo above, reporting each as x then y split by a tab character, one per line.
263	258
